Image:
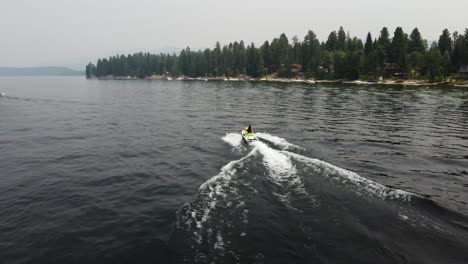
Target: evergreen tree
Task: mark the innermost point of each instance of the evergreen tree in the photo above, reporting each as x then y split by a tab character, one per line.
458	58
399	48
250	52
209	62
354	44
341	40
241	57
355	64
446	64
296	50
415	59
371	65
465	49
381	58
340	67
90	70
183	62
384	43
259	67
384	38
368	47
332	41
326	69
217	71
235	58
445	42
99	68
432	63
282	51
267	57
311	52
225	65
416	42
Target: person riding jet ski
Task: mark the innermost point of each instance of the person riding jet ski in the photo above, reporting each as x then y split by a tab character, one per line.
249	131
248	135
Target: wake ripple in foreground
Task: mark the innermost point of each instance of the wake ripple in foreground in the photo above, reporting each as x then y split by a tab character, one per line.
217	224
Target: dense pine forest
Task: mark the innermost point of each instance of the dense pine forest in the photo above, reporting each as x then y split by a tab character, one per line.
339	57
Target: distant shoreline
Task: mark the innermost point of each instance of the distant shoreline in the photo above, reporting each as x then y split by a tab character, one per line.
411	83
38	71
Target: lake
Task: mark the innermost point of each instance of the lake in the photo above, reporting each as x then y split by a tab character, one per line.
137	171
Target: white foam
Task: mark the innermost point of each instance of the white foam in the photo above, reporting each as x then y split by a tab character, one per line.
278	141
283	173
225	174
278	164
345	176
219	242
211	193
403	217
233	139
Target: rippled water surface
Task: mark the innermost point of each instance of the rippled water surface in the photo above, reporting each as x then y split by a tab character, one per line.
155	172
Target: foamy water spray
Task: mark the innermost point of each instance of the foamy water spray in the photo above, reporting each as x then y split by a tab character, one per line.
281	169
210	219
278	141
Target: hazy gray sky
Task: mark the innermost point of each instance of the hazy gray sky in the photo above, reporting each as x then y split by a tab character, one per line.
66	32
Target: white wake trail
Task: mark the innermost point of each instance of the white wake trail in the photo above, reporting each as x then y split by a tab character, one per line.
218	197
233	139
282	170
278	141
284	174
345	176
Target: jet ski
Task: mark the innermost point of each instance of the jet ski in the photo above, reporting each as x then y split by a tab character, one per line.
2	94
248	137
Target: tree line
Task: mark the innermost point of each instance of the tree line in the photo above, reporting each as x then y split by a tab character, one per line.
339	57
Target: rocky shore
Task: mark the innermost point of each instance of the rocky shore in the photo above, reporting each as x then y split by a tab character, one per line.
394	82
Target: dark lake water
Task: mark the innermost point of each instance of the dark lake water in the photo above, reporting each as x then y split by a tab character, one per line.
155	172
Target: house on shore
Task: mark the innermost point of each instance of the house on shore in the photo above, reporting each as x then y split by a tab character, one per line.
296	70
392	70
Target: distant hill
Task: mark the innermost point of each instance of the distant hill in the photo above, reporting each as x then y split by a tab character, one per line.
39	71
